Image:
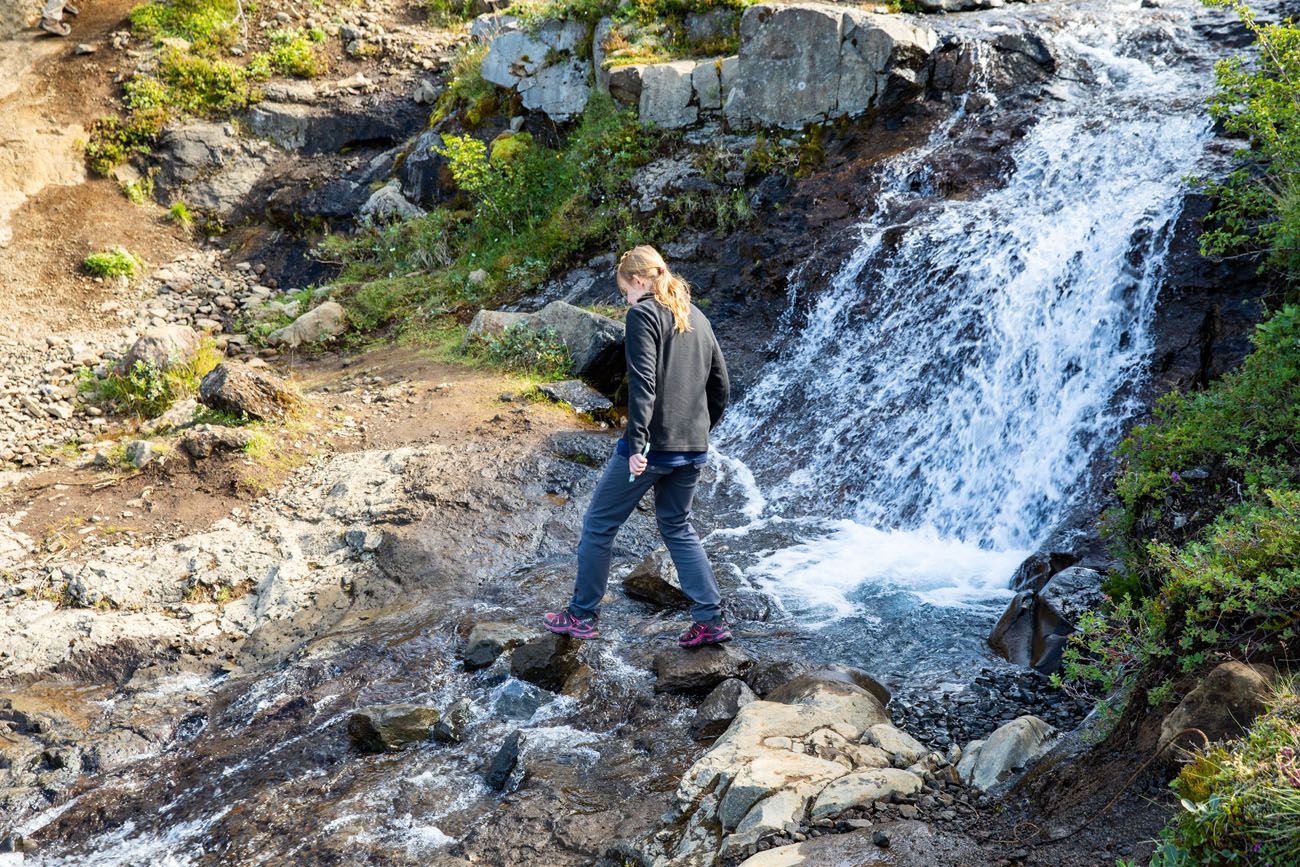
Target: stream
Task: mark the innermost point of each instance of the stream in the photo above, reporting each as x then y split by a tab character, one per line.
929	420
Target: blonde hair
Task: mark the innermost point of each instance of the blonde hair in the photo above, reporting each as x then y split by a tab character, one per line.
669	290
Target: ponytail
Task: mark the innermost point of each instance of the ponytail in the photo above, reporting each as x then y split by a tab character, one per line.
669	290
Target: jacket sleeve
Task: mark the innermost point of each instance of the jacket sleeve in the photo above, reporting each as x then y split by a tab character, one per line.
641	347
718	388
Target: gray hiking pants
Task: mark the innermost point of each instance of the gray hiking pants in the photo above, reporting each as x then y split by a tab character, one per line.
613	501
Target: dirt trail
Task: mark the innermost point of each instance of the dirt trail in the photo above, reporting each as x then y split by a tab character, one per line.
51	213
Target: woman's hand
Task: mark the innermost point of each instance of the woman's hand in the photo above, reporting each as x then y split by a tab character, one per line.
636	464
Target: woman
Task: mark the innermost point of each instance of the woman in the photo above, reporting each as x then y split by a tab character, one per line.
677	390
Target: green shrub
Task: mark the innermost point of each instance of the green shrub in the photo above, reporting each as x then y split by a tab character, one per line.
112	141
1258	206
147	391
467	91
206	23
538	352
1241	802
294	52
116	262
196	85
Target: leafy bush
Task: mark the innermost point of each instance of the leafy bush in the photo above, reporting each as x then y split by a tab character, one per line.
146	390
1258	206
538	352
112	140
467	90
294	52
196	85
1213	447
116	262
1241	803
206	23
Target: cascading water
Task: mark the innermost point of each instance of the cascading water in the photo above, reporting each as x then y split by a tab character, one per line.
932	415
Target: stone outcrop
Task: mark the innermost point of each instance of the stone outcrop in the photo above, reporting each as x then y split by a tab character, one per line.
1221	705
595	342
1036	625
798	64
778	763
1012	747
423	174
547	68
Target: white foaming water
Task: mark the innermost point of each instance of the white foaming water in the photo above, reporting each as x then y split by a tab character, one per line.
939	404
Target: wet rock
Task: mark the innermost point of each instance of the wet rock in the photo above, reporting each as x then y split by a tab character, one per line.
239	389
833	678
390	727
595	342
498	771
767	675
547	660
700	669
1010	748
1034	628
162	347
318	325
489	640
490	323
206	440
717	711
387	204
518	700
577	395
655	580
422	174
864	787
1221	705
452	727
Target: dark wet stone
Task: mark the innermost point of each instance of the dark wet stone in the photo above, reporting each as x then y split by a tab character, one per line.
391	726
767	675
700	669
487	641
454	725
655	580
518	700
503	763
547	660
717	711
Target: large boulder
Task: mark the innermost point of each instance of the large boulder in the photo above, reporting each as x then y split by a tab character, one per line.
424	174
655	580
318	325
239	389
1221	705
837	679
210	167
547	660
595	342
492	323
390	727
812	62
162	347
1011	748
770	764
1036	624
699	669
546	68
489	640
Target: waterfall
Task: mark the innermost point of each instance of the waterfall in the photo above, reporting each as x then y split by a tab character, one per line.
933	412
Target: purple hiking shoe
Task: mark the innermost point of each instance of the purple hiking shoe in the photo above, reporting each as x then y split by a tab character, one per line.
565	623
701	634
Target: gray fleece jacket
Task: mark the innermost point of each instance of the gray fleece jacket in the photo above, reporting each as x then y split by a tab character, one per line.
677	380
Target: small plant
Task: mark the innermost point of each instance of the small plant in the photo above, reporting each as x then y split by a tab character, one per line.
145	389
139	190
112	140
294	52
116	262
179	213
444	12
538	352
